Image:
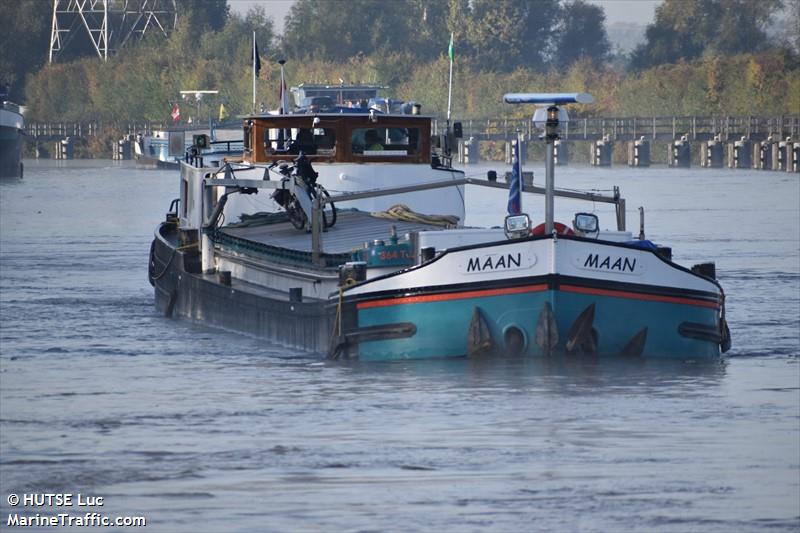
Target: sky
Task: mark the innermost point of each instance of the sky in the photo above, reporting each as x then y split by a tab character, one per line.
638	11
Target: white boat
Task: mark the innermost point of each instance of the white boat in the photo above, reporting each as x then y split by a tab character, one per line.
327	262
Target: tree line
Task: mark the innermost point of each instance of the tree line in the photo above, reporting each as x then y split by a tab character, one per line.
692	61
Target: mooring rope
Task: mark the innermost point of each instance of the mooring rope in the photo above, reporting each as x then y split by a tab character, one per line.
403	213
151	267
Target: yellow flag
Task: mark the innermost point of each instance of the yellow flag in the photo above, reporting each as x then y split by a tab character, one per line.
222	113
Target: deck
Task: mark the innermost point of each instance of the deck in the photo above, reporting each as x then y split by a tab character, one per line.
352	230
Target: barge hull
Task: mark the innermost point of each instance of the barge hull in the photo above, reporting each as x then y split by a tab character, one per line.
10	152
182	290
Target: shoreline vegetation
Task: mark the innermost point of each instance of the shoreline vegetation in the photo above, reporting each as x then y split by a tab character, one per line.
730	68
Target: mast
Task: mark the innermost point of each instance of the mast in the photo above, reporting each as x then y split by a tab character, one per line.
255	54
450	53
549	119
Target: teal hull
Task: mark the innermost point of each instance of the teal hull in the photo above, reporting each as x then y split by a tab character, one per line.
442	322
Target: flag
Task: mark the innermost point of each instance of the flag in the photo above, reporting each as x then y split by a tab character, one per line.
176	113
515	187
223	114
255	59
283	96
450	51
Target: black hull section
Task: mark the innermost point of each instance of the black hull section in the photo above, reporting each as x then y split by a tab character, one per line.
10	153
181	290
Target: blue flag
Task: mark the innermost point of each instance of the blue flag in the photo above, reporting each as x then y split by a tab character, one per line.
515	187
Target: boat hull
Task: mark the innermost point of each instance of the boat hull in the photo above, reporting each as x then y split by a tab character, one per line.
10	152
522	307
442	321
181	289
541	296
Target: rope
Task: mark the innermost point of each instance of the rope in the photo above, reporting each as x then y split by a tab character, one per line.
151	267
153	277
336	334
261	218
403	213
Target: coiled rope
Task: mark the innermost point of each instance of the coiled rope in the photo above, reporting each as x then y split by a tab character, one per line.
403	213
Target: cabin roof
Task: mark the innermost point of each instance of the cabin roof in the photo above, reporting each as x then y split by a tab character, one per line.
344	116
334	86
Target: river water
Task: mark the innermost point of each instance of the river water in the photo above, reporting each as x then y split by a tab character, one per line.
198	429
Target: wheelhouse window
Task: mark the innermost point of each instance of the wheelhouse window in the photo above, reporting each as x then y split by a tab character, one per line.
310	141
375	142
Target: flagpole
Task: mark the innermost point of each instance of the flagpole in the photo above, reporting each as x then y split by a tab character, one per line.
519	167
450	89
254	72
282	107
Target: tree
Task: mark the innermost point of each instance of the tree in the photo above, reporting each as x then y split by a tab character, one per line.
506	34
685	29
321	29
581	34
24	42
205	14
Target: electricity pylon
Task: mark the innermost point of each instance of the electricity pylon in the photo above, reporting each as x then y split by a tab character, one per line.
109	24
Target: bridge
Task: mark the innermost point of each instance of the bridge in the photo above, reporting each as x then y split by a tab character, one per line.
695	128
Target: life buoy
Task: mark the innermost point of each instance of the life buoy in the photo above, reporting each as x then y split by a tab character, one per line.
561	229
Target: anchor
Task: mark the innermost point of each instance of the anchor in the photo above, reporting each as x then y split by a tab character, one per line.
479	338
635	346
546	330
580	333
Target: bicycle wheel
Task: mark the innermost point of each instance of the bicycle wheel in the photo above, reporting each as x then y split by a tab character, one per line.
296	215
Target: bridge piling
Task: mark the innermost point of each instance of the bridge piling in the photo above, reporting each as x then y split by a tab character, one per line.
639	152
712	153
602	151
739	154
679	154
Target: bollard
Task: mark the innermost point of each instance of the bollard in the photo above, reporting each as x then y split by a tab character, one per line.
679	154
795	166
639	153
561	152
601	152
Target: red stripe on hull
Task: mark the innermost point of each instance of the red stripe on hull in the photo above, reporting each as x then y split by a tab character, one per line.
639	296
451	296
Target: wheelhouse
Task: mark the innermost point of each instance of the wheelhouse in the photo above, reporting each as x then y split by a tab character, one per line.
338	138
342	95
